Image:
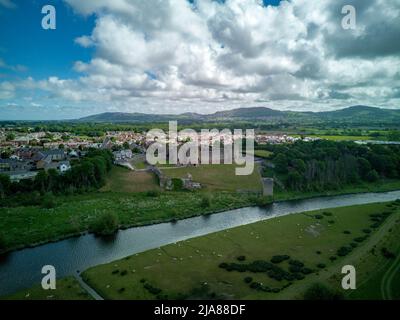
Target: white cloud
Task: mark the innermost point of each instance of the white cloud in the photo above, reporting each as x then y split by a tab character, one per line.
169	55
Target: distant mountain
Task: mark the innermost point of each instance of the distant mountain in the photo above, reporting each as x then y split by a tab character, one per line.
350	114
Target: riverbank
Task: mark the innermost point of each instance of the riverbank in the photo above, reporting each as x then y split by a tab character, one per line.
230	264
22	269
72	216
209	265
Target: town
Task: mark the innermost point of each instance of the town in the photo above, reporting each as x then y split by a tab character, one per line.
23	155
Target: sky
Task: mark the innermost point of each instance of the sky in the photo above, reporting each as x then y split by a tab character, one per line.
176	56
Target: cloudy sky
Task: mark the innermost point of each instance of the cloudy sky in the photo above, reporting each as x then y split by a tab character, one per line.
174	56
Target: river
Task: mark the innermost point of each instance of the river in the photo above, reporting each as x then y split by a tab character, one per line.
22	269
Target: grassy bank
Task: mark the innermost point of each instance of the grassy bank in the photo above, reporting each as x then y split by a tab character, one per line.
195	268
72	215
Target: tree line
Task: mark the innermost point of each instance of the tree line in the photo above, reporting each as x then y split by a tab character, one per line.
323	165
89	173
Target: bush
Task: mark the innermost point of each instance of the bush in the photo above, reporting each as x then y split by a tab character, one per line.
318	216
248	280
48	201
152	193
177	184
279	258
332	258
343	251
151	289
346	232
328	214
241	258
387	254
360	239
372	176
297	263
318	291
321	265
306	271
367	231
106	224
205	201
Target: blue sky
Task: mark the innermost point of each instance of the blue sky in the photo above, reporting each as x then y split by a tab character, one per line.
140	56
43	52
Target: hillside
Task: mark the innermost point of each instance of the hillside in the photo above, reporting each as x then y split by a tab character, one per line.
350	114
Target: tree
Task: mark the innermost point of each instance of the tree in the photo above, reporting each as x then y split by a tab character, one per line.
10	136
105	225
372	176
281	163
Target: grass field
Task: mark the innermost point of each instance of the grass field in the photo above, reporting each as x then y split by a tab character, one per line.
66	289
125	180
263	153
32	225
191	269
219	177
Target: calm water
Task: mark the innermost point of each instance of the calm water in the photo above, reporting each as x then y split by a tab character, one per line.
21	269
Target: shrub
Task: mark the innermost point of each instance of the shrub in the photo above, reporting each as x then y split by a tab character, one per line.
124	273
372	176
241	258
318	216
367	231
223	265
299	276
318	291
152	193
48	201
360	239
318	252
151	289
306	270
205	201
354	245
346	232
387	254
248	280
343	251
115	271
177	184
328	214
297	263
121	290
321	265
331	221
332	258
279	258
294	269
106	224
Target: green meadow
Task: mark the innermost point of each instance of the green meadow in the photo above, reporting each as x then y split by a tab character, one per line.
216	177
273	259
